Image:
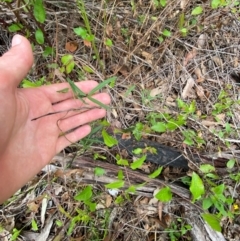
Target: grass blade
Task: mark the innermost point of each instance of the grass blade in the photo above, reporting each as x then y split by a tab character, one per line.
102	84
98	103
77	92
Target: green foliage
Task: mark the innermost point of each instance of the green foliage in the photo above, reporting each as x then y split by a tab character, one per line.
83	33
213	221
98	171
68	63
108	140
34	225
197	10
138	163
84	195
115	185
156	173
29	84
15	27
197	187
39	36
164	195
15	234
39	11
108	42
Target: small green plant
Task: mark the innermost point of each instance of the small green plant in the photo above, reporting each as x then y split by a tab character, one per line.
178	229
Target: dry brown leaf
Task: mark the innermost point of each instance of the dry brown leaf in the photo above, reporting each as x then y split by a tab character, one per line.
200	92
87	43
147	55
200	77
188	88
183	4
160	209
108	201
217	61
126	136
71	46
109	30
156	91
221	117
209	123
201	41
33	207
190	55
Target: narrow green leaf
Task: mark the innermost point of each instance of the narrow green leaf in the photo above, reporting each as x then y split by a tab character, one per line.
101	85
84	195
108	140
196	188
39	11
197	10
115	185
39	36
138	163
77	92
213	221
98	103
34	225
65	90
164	195
156	173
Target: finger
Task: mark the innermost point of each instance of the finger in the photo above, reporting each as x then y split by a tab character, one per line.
15	64
80	119
77	104
53	92
72	137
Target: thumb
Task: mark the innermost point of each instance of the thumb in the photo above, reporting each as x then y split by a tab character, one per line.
15	64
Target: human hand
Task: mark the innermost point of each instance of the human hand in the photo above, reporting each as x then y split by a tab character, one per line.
27	146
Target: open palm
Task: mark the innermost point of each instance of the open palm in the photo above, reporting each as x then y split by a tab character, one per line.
26	145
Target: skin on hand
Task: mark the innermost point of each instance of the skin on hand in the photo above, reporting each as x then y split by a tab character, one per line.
27	146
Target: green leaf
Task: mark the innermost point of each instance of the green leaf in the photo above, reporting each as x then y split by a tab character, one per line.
115	185
218	189
156	173
159	127
138	163
48	51
122	162
34	225
84	195
163	3
15	27
231	163
166	33
213	221
108	42
137	151
108	140
207	203
77	92
39	36
39	11
206	168
97	102
66	59
70	67
65	90
102	84
15	234
59	223
215	3
164	195
98	171
82	32
196	188
120	175
197	10
88	69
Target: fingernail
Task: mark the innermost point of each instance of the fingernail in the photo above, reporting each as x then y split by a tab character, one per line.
17	39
